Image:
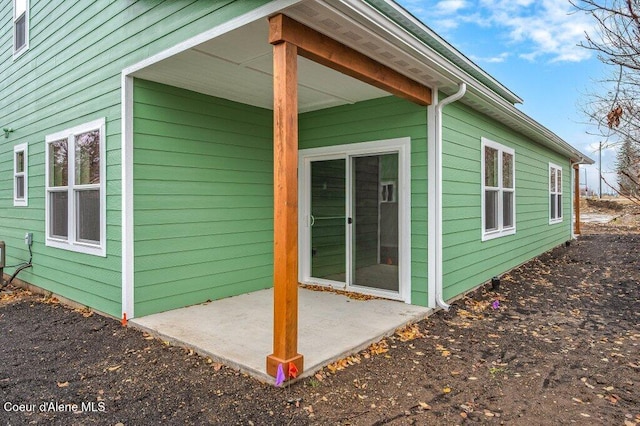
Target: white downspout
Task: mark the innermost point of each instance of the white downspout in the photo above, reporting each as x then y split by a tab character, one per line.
437	196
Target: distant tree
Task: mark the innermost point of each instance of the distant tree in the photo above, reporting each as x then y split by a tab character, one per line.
615	111
628	169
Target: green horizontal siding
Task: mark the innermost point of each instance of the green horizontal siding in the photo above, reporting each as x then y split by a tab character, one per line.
378	119
71	74
467	260
203	198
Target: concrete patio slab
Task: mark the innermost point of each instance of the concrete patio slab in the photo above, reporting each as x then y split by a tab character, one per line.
238	331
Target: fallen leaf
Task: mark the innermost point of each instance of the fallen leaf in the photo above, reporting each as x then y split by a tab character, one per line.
446	390
114	368
408	333
63	384
424	406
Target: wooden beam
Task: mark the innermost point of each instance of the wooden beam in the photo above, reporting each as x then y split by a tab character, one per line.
576	198
285	200
333	54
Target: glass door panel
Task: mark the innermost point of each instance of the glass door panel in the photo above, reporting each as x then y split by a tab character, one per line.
328	219
375	222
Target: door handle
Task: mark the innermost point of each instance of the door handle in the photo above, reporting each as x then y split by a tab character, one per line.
312	219
349	220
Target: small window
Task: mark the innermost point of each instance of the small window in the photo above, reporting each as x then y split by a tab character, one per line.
555	193
75	199
498	190
20	27
20	176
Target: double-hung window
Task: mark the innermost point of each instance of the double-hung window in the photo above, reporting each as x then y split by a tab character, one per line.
20	27
75	199
555	193
498	190
20	176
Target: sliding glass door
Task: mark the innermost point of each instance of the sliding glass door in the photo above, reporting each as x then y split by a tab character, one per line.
350	221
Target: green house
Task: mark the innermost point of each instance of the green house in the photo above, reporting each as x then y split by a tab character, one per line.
139	140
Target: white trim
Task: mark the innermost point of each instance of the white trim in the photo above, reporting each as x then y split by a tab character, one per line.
401	146
571	201
25	47
72	243
126	153
24	201
560	217
501	230
434	233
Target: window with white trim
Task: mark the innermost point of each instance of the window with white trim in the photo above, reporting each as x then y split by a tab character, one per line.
555	193
20	27
75	199
498	190
20	176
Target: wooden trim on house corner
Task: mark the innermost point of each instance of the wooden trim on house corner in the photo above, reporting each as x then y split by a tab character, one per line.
576	198
333	54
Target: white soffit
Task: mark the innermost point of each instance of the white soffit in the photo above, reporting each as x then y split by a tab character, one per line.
238	66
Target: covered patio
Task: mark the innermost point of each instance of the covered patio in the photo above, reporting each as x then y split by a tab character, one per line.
306	56
331	326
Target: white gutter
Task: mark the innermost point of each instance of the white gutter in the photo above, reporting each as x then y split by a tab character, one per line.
435	246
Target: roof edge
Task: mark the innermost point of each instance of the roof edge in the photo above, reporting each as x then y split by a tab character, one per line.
426	35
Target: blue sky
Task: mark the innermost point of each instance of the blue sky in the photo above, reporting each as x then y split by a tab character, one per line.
530	46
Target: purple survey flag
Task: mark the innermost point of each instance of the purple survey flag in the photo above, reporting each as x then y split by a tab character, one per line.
280	376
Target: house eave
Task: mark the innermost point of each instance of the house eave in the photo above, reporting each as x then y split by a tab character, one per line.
485	94
424	34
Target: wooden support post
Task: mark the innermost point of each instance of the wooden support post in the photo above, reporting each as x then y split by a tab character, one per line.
576	198
285	199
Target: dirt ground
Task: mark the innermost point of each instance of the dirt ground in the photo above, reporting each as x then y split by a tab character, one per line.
558	343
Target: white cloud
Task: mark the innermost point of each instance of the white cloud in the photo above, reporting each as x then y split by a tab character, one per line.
450	6
540	29
491	59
